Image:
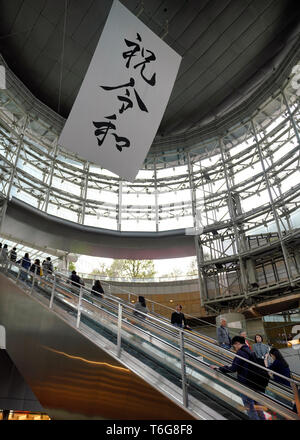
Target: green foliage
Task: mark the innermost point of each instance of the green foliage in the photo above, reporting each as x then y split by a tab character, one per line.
142	269
72	266
116	269
139	268
192	269
102	270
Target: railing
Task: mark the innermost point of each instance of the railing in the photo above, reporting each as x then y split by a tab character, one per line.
204	324
154	306
185	357
93	277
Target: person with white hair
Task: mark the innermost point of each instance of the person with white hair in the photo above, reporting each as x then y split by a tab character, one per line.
223	336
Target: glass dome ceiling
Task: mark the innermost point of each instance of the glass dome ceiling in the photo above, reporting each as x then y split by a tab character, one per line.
256	161
229	48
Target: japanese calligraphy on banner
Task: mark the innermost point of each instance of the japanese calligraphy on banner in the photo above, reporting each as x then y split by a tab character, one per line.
123	96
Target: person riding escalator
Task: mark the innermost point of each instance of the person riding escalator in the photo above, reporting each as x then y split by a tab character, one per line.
242	368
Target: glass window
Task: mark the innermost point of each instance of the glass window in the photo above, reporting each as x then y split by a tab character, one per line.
100	221
138	225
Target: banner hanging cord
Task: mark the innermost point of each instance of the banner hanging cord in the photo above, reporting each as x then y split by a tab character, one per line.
62	56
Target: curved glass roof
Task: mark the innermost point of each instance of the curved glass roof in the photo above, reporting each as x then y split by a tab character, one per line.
176	189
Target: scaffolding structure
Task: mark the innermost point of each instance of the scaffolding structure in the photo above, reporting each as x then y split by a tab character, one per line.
241	183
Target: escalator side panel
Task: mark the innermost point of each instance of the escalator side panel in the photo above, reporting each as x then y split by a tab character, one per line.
70	376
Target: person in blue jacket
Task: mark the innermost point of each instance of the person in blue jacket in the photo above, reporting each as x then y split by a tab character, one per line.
241	367
25	263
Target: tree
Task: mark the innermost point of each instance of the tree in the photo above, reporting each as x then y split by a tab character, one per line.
139	268
192	269
101	270
72	266
175	272
132	269
116	269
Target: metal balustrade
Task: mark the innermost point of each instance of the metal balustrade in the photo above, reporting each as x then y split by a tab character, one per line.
240	180
155	348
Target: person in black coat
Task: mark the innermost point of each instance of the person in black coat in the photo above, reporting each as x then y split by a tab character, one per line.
75	281
178	318
97	289
140	306
13	254
279	365
36	267
241	367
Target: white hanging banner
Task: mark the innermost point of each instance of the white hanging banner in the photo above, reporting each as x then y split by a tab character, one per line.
123	96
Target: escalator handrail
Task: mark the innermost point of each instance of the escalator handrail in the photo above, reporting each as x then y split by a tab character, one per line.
221	349
179	330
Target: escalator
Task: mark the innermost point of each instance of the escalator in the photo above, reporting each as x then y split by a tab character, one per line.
88	357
